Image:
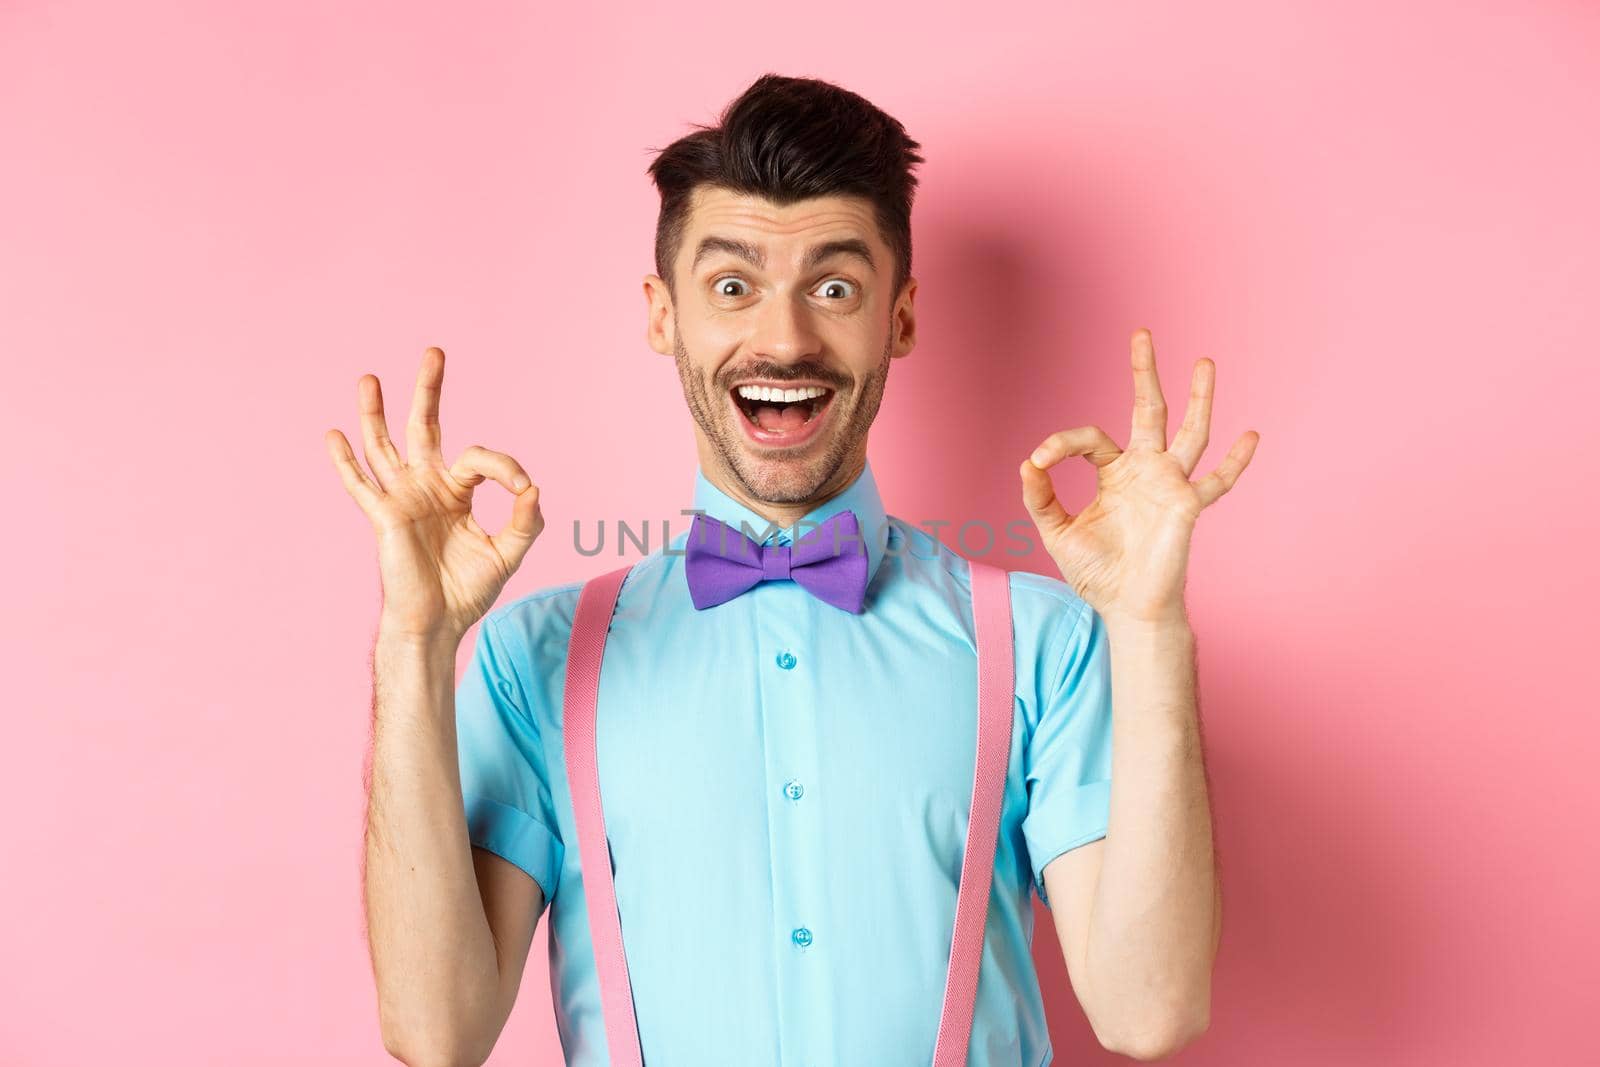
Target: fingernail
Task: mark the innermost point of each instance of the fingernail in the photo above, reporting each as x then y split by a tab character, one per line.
520	482
1037	459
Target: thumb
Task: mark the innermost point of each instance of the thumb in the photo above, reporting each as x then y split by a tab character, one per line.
522	529
1039	496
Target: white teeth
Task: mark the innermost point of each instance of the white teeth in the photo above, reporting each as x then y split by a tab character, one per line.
785	396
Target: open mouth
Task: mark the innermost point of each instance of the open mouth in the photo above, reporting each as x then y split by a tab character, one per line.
781	416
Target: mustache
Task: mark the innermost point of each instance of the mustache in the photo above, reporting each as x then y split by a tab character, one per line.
783	372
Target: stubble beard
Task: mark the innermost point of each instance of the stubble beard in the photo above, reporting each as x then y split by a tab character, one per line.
794	481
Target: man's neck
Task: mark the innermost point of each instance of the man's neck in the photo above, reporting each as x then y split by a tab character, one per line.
782	515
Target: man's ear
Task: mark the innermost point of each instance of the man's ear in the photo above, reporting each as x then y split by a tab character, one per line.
659	327
904	321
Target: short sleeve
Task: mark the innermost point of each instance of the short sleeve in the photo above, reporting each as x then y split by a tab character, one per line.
1069	752
505	782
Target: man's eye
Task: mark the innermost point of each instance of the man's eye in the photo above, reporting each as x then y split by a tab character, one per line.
831	288
723	287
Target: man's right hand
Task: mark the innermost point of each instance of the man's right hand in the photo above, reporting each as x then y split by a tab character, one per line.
440	571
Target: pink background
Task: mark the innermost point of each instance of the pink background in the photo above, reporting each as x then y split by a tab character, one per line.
1379	220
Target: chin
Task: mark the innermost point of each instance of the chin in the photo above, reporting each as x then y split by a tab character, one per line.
783	479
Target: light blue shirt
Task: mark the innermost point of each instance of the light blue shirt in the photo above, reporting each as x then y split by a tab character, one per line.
786	790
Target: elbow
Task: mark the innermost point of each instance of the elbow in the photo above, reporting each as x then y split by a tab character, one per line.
416	1050
439	1031
1158	1038
435	1057
442	1034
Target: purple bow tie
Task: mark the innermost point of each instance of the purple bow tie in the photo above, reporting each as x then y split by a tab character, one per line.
830	562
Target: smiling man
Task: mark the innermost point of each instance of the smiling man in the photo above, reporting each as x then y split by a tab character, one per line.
783	731
785	379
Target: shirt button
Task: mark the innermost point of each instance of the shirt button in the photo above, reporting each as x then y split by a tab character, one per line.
793	790
786	660
801	936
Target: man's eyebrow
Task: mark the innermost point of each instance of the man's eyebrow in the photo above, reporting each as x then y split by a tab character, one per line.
757	257
853	247
733	246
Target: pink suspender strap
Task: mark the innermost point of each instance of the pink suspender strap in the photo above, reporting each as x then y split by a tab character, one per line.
991	613
991	622
584	649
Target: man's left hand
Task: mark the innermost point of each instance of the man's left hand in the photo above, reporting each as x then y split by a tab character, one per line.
1126	554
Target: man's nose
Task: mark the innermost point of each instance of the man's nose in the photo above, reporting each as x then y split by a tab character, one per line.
785	330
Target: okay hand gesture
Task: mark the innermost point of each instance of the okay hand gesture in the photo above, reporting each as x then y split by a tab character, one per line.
1127	552
441	572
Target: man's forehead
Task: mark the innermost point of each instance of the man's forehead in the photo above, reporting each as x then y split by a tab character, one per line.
782	228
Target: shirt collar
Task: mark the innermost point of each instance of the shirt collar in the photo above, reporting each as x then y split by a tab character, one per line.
861	497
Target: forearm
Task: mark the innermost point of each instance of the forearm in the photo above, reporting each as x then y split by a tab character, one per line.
433	954
1154	924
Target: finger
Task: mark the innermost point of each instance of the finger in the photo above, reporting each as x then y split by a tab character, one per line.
1090	442
1039	496
523	528
1195	433
1149	406
1233	464
477	463
379	449
362	488
422	428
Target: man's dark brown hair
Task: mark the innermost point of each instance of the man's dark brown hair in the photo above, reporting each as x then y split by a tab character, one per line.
787	139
